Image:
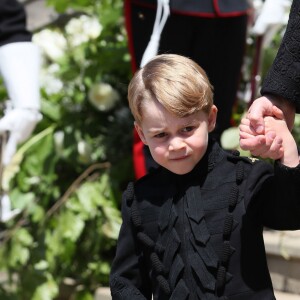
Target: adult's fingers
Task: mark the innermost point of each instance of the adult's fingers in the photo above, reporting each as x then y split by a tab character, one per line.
278	113
260	108
249	139
252	143
245	130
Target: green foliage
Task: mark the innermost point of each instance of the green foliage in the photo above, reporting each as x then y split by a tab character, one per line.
296	129
67	179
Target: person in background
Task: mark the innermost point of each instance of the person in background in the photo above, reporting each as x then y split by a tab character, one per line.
192	228
213	33
19	67
280	89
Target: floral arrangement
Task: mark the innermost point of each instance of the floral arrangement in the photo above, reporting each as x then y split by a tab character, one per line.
67	179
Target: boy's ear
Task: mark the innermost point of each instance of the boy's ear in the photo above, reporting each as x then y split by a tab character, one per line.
212	118
140	132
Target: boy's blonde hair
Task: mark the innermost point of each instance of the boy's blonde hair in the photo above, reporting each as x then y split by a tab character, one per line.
176	82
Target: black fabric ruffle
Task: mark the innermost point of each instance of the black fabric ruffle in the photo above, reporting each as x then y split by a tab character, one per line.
167	264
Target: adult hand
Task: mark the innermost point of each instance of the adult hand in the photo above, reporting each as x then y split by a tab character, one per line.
260	108
270	106
19	123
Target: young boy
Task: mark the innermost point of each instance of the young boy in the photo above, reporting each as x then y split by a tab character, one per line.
192	229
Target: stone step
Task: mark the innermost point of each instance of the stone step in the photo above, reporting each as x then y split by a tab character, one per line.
281	296
283	254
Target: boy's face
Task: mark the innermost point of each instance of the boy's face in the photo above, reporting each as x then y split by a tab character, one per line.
177	144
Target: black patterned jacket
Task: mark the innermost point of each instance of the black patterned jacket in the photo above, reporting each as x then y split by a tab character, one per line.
283	78
199	235
12	23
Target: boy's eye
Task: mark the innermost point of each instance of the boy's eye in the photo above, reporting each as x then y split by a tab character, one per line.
160	135
188	129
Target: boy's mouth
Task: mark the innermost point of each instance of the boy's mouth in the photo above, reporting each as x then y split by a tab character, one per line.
179	157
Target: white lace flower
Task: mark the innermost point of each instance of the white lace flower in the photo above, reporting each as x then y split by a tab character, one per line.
52	43
83	29
84	151
103	96
59	138
50	81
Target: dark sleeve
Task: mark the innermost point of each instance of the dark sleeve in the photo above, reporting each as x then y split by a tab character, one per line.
13	23
274	197
128	278
283	78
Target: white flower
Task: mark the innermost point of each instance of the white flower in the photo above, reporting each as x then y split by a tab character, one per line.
49	80
84	151
52	43
83	29
103	96
59	138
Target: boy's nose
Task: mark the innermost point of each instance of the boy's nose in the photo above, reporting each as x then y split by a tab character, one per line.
176	144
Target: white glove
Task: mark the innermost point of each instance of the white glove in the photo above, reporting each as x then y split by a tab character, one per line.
20	67
272	14
19	123
6	212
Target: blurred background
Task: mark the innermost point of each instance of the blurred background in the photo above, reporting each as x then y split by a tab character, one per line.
66	180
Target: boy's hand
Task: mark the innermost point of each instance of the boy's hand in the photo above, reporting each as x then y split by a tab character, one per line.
276	142
264	145
252	136
252	130
284	137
